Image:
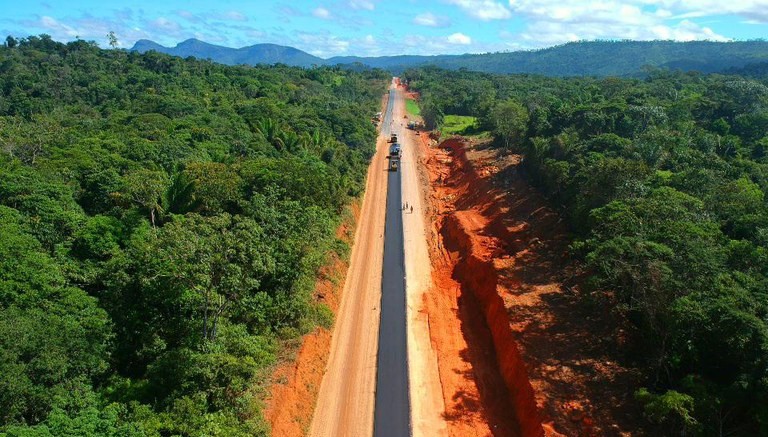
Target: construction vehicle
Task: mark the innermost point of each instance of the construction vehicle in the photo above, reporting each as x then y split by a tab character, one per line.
394	156
415	125
394	151
393	138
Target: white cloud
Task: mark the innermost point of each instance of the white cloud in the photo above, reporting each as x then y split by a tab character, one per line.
557	21
368	5
323	45
485	10
756	10
56	27
431	20
459	38
187	15
164	24
673	9
321	12
89	28
234	16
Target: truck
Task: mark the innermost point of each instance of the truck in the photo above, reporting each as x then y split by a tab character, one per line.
394	156
415	125
394	151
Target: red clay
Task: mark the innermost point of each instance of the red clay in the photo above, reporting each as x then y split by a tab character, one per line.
502	256
503	398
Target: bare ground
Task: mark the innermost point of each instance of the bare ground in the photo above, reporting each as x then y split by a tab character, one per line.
569	356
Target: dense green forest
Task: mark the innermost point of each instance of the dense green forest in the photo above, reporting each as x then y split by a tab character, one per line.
162	222
663	183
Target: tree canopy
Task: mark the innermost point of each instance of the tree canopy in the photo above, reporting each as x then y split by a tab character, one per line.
663	183
162	223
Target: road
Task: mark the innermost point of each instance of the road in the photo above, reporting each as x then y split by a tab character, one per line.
392	417
345	403
401	395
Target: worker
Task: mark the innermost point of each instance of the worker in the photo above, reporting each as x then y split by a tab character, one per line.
411	209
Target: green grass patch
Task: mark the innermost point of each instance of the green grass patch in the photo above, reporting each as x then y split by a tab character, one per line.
459	125
412	107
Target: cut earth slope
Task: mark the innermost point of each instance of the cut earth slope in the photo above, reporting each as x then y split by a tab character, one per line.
501	254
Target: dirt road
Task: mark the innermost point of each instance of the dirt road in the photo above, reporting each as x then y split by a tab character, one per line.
346	400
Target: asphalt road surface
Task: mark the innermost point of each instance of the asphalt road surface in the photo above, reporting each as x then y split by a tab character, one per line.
392	416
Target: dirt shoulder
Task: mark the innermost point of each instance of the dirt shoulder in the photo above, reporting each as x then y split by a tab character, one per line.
427	404
500	241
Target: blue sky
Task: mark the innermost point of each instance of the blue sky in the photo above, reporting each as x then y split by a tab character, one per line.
386	27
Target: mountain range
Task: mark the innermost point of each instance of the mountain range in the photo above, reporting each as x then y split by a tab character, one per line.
584	58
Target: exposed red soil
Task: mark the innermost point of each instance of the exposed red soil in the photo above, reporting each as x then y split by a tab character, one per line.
539	358
296	381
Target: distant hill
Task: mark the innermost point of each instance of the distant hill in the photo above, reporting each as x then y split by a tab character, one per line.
617	58
587	58
251	55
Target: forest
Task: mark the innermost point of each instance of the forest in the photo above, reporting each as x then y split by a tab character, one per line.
162	224
662	181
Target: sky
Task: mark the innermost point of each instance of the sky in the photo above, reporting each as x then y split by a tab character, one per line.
385	27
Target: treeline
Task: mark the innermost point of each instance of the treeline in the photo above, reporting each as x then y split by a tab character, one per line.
614	58
663	182
162	222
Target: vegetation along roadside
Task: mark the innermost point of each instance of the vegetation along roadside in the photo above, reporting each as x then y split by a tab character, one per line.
162	223
662	182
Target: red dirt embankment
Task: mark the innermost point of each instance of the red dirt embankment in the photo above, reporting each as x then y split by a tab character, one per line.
475	271
500	255
505	398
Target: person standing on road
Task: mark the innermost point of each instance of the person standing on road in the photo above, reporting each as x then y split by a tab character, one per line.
411	209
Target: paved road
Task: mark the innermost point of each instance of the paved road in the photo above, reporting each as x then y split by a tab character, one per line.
392	416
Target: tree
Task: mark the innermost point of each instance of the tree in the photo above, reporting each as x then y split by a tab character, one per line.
145	189
28	142
112	39
215	187
509	119
191	273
